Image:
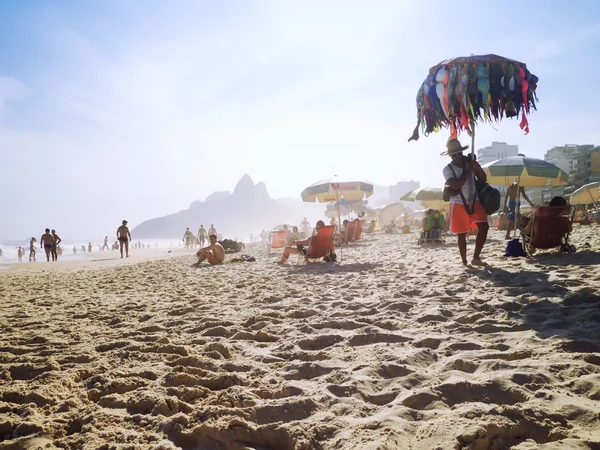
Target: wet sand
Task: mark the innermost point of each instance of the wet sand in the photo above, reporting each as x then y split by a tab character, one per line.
399	347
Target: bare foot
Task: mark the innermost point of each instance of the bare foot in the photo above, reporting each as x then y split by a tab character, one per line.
478	262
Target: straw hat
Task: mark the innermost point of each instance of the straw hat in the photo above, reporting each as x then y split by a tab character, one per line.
454	146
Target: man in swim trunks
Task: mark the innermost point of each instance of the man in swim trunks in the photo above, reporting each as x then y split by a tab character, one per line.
514	205
124	236
47	242
214	253
212	230
187	236
305	227
460	177
57	240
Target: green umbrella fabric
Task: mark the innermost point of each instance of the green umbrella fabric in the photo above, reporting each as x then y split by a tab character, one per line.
530	172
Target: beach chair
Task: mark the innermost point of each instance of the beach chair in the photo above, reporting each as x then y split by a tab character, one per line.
350	233
431	237
320	245
550	229
360	226
276	240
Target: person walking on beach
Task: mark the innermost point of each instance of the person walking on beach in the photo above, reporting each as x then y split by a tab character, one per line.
32	249
460	177
124	236
212	230
187	236
47	242
105	243
201	235
214	253
57	240
20	254
513	198
305	227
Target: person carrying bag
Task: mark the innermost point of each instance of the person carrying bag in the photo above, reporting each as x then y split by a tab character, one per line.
465	208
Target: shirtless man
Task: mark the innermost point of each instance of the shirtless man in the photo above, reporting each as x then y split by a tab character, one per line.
212	230
201	235
214	253
187	236
514	205
124	236
47	242
105	243
20	254
57	240
305	227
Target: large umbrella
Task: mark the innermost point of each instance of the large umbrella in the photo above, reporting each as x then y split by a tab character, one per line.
390	212
529	172
586	194
459	92
423	194
334	190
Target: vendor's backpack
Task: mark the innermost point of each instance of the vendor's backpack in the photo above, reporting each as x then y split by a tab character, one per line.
489	197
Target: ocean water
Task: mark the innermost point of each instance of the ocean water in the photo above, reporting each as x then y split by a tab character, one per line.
10	248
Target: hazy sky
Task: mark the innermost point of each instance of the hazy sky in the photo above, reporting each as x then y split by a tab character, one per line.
133	109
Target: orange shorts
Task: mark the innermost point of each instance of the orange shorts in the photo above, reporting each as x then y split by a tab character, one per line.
461	222
212	259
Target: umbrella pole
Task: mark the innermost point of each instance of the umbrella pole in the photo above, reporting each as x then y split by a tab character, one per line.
592	197
517	206
337	196
473	139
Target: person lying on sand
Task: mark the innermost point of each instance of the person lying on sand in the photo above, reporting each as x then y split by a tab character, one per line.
214	253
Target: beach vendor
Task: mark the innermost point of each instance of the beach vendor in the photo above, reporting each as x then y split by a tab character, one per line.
513	198
214	253
460	178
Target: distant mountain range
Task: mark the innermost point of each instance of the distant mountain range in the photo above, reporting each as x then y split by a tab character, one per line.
249	209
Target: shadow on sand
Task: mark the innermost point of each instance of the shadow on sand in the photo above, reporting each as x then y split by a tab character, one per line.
574	315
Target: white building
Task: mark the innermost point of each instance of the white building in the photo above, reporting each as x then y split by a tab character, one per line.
566	155
401	188
498	150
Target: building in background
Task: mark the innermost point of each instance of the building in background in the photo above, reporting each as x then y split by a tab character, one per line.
581	162
498	150
401	188
494	152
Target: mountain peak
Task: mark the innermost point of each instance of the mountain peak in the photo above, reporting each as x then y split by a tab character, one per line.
245	184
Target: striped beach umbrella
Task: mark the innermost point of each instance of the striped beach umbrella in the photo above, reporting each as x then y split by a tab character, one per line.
528	172
586	194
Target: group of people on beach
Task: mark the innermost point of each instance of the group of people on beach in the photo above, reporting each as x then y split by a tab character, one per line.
49	242
190	241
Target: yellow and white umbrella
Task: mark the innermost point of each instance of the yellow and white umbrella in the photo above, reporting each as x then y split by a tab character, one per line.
334	190
586	194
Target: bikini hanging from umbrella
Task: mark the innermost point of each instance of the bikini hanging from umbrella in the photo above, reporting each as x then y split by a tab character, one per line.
460	92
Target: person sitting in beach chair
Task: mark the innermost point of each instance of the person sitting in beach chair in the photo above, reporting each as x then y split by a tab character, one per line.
319	245
214	253
431	227
549	227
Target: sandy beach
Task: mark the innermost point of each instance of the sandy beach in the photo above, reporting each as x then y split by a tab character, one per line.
398	347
